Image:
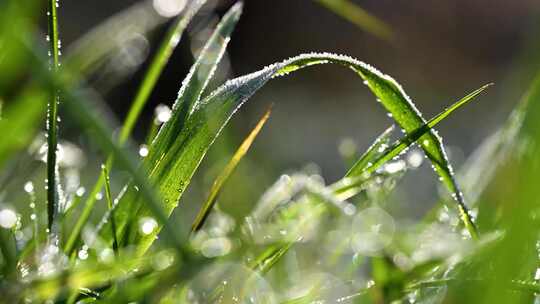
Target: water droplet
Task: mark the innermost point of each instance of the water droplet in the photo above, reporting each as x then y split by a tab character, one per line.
147	225
29	187
215	247
395	167
415	159
80	191
99	196
143	151
8	218
162	113
83	254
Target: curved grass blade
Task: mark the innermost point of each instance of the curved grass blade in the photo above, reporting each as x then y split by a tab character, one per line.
158	63
227	171
273	254
52	117
360	17
192	88
400	145
372	152
212	114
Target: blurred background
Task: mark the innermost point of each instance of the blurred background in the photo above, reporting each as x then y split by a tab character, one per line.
440	51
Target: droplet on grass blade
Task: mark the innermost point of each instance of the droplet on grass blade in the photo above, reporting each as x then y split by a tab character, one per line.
143	151
147	225
162	113
8	218
29	187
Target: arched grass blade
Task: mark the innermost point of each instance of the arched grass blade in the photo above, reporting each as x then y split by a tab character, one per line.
274	253
360	17
372	152
178	164
160	156
158	63
227	171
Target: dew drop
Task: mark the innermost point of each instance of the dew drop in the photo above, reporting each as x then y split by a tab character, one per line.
8	218
147	225
162	113
99	196
143	151
80	191
29	187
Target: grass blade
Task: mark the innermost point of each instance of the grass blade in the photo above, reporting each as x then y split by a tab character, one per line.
273	254
105	173
212	114
227	171
166	144
400	145
52	116
360	17
373	151
158	63
151	76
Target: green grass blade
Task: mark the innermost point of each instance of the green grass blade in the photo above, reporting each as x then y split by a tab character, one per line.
194	84
151	76
105	173
360	17
101	133
373	151
52	116
212	114
270	257
227	171
400	145
370	162
158	63
93	125
160	155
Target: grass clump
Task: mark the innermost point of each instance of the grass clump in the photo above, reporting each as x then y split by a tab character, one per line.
305	241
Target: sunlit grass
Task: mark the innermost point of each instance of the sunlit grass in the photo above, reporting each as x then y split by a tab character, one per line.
306	240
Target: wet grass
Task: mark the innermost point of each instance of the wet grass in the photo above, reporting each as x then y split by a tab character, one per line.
304	241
